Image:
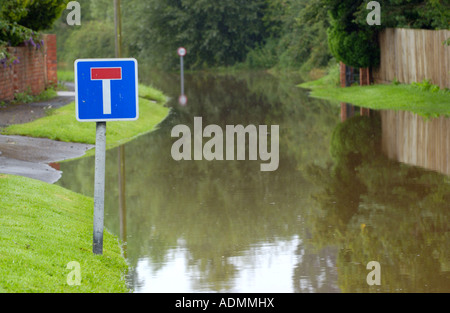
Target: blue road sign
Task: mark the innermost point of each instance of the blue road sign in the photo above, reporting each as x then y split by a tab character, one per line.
106	90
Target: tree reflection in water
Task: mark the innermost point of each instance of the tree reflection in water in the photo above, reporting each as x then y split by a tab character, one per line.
374	209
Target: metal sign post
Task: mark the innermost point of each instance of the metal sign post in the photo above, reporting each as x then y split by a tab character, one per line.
105	90
99	186
182	99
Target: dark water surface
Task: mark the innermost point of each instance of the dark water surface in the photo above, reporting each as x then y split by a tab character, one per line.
310	226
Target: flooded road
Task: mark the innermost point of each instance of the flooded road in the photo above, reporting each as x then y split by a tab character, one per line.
334	204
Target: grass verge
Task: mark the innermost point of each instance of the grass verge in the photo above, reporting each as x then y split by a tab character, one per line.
383	97
65	76
43	227
62	125
331	79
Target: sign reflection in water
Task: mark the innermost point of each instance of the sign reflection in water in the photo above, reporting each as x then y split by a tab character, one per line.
226	226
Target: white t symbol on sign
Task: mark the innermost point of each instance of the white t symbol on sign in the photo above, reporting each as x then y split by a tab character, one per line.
106	74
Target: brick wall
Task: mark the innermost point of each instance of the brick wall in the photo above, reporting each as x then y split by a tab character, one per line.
50	60
35	70
6	83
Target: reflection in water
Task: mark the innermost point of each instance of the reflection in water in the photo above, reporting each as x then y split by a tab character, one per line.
122	196
384	211
310	226
409	138
260	278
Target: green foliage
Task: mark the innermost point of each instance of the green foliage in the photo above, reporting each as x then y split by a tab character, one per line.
355	43
331	79
33	14
92	40
352	43
286	34
214	33
20	21
13	10
13	34
425	14
356	48
262	57
257	34
66	76
302	38
28	97
426	85
23	97
95	15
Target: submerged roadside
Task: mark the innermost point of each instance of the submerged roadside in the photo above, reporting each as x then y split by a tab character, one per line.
32	157
56	126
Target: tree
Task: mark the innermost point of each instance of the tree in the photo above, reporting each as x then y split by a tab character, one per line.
213	32
355	43
33	14
12	10
303	35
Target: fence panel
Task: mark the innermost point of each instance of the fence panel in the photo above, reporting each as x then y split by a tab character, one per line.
411	55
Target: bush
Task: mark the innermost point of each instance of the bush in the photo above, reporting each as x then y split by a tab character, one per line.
20	21
425	85
357	48
262	57
36	15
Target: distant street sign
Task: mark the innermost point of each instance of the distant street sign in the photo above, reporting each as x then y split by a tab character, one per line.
106	90
182	100
181	51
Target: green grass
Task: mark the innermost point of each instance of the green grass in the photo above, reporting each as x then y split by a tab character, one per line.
331	79
384	97
151	93
27	97
62	125
66	76
43	227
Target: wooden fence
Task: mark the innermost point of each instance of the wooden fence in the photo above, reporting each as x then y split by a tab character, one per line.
411	55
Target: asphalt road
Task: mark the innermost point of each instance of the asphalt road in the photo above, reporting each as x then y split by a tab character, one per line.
35	157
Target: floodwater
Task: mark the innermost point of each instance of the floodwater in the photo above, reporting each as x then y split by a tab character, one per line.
312	225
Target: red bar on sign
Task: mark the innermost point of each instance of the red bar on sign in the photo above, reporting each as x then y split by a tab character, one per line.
106	73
